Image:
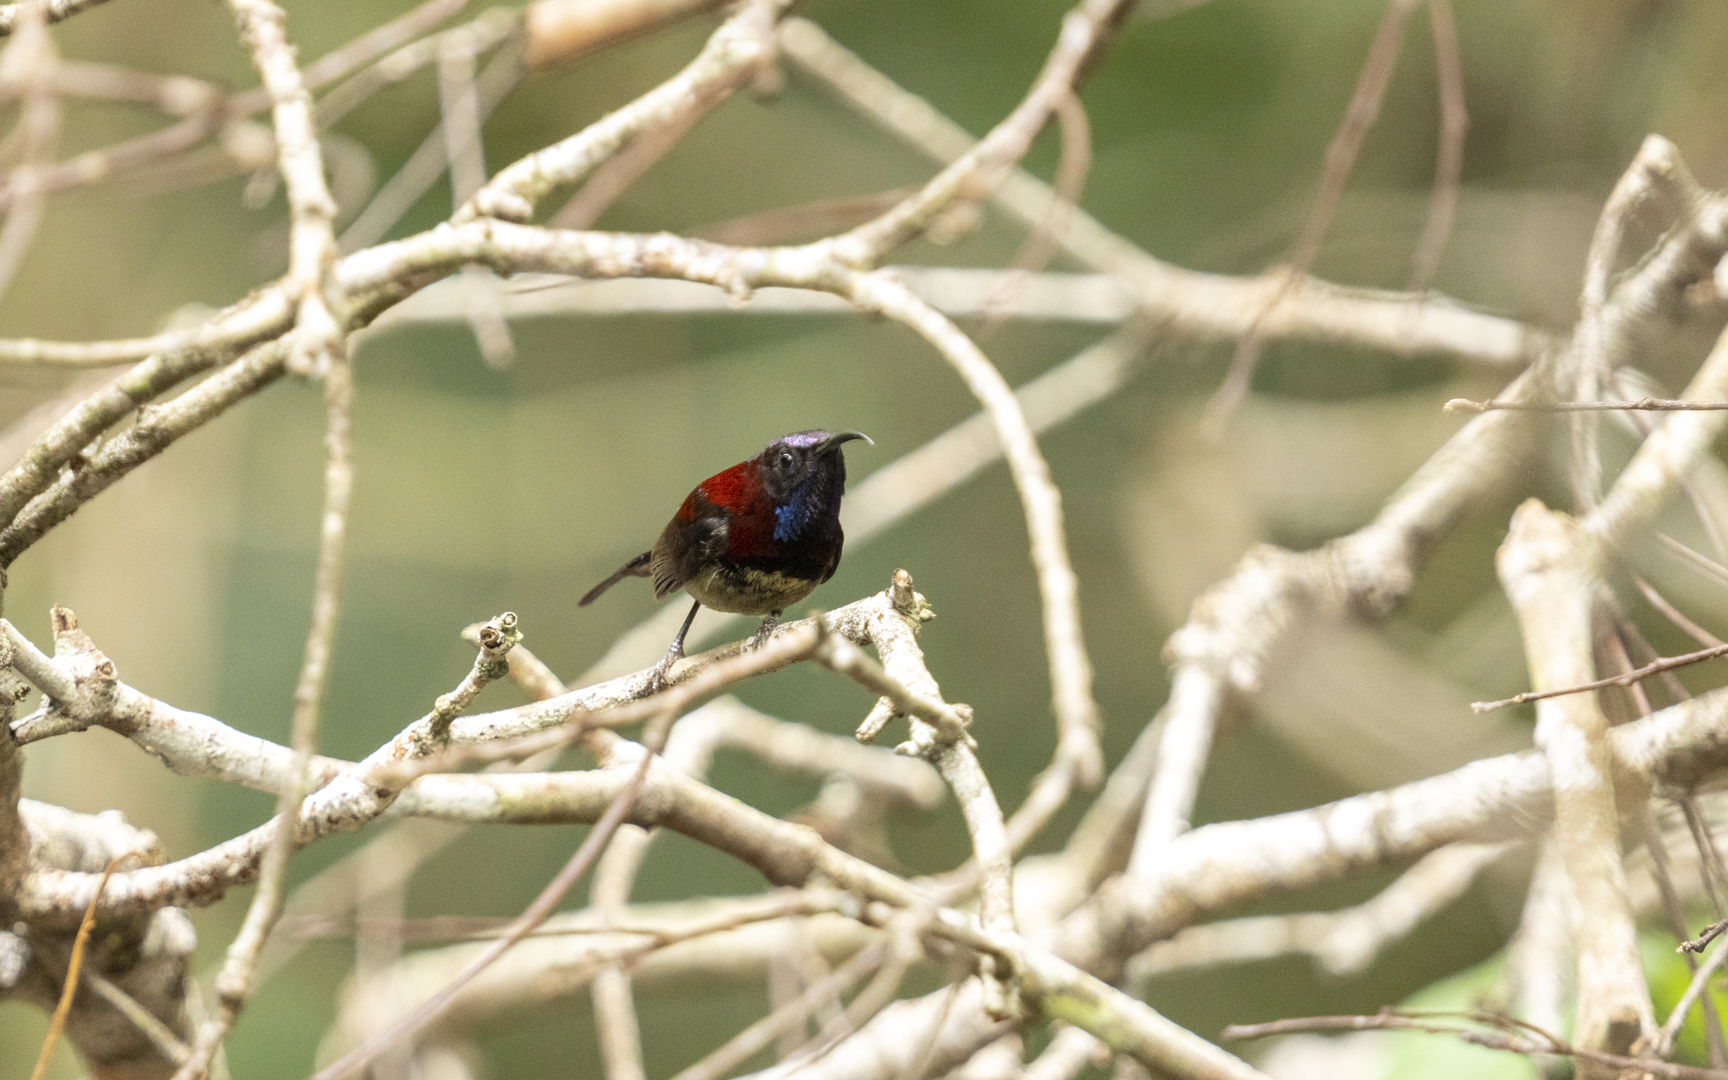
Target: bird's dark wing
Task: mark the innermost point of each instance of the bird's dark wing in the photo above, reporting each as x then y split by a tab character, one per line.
637	567
687	545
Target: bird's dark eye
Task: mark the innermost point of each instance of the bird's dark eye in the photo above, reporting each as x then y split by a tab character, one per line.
786	460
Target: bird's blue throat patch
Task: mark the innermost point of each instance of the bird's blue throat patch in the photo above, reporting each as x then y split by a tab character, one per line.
804	510
789	519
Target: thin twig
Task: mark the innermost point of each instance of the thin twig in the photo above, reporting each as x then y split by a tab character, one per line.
757	1037
1709	865
1668	663
612	179
246	147
1675	615
1449	161
1642	652
1626	383
1674	910
1694	991
800	221
1464	406
465	152
903	951
1666	456
1044	240
535	914
235	983
1086	32
1705	937
1593	352
69	989
429	160
380	906
207	111
161	1036
1699	560
27	69
1659	870
639	943
367	47
1359	117
447	928
1542	1043
614	1004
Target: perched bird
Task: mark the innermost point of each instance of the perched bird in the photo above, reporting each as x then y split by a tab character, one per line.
752	540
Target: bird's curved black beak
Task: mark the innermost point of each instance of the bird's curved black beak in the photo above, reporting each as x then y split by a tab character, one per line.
833	442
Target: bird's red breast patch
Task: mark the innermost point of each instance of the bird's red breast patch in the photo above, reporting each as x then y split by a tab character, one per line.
739	490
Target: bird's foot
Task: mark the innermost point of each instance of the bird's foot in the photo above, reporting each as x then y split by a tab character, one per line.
657	677
766	630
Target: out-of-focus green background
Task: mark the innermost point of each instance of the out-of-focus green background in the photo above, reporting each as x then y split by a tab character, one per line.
481	491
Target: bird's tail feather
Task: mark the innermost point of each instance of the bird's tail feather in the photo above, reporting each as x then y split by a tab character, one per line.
637	567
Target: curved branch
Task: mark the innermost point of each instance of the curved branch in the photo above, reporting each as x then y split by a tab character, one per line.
56	10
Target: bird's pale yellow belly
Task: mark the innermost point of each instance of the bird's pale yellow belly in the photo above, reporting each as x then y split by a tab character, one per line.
747	591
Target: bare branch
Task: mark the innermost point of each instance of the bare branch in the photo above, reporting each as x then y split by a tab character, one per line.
612	179
1086	31
729	59
955	291
1594	356
1191	305
320	319
536	913
1664	459
11	15
946	745
1064	992
561	30
1343	942
1070	668
1550	577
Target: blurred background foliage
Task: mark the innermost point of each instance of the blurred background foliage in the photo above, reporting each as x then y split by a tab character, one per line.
482	490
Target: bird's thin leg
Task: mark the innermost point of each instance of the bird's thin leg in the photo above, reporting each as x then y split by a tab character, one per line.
657	680
767	630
